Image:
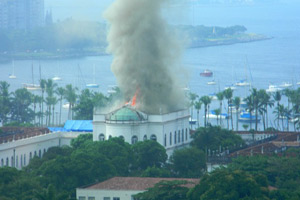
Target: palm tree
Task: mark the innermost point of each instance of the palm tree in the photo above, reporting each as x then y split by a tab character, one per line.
228	95
206	100
43	87
192	97
265	102
289	94
220	96
198	105
54	102
295	99
70	96
279	113
250	107
5	101
60	92
218	113
237	103
35	100
277	98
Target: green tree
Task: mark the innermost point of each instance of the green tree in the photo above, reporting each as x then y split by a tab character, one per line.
21	111
81	140
220	96
229	185
60	91
165	190
237	102
277	98
70	96
198	105
206	100
228	95
188	162
5	101
149	153
43	87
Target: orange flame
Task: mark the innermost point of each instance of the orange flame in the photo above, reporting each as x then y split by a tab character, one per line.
133	103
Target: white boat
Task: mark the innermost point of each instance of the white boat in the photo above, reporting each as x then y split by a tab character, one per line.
112	89
13	76
213	96
286	85
242	83
246	118
192	121
212	115
66	105
56	78
230	86
213	82
92	85
32	87
273	88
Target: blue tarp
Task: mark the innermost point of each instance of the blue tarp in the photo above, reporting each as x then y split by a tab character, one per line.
75	126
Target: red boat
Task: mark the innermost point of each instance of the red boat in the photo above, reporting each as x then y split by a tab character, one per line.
206	73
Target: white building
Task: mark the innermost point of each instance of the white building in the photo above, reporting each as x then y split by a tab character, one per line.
123	188
171	130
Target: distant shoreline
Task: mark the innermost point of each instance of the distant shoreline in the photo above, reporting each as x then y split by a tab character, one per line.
5	58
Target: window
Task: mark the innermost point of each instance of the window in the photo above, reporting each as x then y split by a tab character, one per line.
12	161
153	137
116	198
101	137
81	198
170	138
122	137
34	153
182	135
2	162
24	159
186	134
44	150
91	198
175	138
17	162
134	139
178	136
109	137
40	153
21	161
106	198
7	162
165	140
145	138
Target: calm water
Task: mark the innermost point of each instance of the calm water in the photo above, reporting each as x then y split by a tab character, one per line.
271	61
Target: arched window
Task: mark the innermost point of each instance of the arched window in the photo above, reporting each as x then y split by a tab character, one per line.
7	161
178	136
186	134
109	137
122	137
2	162
24	159
40	153
170	138
182	135
17	162
165	140
101	137
153	137
21	161
175	138
145	138
134	139
34	153
12	161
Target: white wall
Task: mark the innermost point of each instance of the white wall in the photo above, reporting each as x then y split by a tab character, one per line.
19	152
100	194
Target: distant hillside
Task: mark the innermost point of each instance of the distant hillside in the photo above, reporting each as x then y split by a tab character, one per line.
72	38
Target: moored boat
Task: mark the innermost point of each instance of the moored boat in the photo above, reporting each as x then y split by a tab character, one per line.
206	73
247	118
273	88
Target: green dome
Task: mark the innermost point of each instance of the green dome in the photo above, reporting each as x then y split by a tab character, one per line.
126	114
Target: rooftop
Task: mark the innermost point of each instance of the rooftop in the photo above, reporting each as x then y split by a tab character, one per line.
126	114
135	183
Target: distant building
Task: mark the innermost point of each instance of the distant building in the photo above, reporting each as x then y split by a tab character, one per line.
21	14
19	145
171	130
123	188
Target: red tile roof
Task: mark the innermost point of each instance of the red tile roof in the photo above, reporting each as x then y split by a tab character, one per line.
136	183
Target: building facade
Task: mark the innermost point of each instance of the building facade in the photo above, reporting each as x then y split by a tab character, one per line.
21	14
171	130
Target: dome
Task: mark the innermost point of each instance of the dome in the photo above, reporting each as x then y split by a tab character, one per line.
126	114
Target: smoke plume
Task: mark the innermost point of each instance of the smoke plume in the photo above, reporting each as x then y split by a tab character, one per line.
146	55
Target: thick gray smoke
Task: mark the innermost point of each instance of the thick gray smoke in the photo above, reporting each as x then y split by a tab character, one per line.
146	55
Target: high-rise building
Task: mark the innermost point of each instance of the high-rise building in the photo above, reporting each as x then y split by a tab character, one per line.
21	14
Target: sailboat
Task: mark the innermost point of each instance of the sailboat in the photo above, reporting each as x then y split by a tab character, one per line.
56	78
13	76
31	86
92	85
